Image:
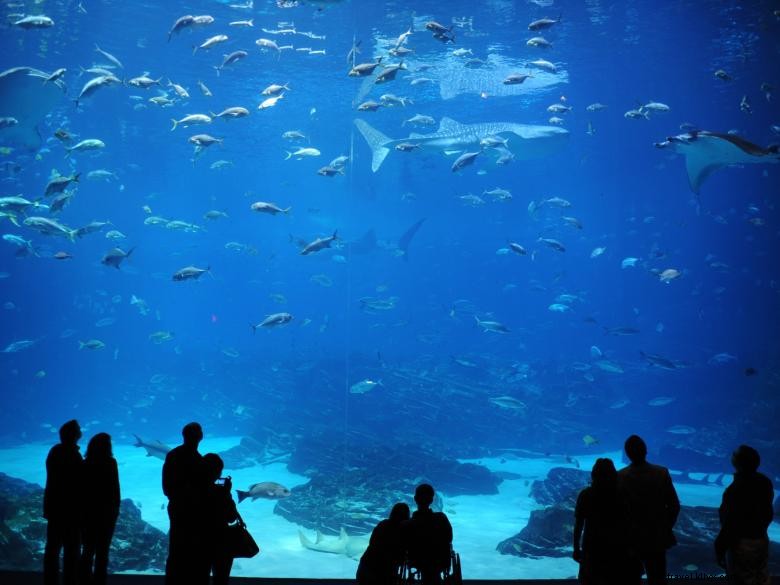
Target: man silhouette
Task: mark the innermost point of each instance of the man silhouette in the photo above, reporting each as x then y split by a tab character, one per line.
428	537
60	507
652	507
742	545
184	483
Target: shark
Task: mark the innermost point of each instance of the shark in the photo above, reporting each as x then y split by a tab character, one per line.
351	546
153	448
525	141
705	152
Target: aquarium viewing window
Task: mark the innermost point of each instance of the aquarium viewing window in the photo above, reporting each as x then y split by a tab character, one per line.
369	245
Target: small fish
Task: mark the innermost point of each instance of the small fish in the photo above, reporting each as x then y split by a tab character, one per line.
661	401
554	244
364	386
190	273
494	326
273	320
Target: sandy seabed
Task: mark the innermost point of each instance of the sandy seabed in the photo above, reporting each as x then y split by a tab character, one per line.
479	522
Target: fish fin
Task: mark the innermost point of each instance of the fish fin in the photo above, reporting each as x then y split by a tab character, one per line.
449	125
699	168
376	141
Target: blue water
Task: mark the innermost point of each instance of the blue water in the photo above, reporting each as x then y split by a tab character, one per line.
631	198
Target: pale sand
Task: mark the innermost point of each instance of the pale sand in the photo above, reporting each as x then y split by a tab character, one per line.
479	522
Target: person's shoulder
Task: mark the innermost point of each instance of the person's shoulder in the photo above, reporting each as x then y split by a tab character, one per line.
173	453
659	470
764	479
585	493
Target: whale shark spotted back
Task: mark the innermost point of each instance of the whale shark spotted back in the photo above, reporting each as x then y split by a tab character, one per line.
531	141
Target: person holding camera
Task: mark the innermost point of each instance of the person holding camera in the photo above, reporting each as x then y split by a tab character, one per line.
219	511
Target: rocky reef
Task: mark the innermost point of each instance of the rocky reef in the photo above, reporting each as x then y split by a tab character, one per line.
549	530
355	488
137	546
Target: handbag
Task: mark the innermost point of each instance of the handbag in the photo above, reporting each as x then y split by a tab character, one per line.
240	544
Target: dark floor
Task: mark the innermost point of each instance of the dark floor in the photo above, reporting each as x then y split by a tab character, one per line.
16	578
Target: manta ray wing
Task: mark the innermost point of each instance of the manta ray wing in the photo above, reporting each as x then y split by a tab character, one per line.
710	151
24	96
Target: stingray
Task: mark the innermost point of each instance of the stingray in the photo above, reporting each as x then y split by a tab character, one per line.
406	238
26	96
366	244
706	152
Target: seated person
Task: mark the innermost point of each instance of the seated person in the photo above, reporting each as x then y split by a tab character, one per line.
384	556
428	538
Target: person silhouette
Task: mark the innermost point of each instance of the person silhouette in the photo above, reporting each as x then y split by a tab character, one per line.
184	483
99	508
427	537
742	545
61	507
220	510
384	556
603	552
652	507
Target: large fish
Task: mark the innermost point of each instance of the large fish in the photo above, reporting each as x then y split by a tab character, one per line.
153	448
706	152
531	141
351	546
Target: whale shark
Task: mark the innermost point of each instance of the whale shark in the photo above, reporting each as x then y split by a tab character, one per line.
705	152
351	546
531	141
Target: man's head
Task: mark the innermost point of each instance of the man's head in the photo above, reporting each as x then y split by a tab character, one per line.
423	496
70	432
636	450
745	459
192	434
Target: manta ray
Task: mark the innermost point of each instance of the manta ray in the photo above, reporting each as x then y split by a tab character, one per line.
351	546
706	152
524	141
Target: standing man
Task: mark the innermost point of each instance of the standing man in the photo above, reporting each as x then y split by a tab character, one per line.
61	507
742	546
184	483
653	507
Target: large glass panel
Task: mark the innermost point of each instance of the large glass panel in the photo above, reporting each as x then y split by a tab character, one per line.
373	244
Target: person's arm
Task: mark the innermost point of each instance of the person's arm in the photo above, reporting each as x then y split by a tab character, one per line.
723	540
116	496
768	502
579	524
166	477
672	501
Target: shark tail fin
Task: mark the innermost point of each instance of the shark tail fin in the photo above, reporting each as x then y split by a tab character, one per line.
242	495
305	542
376	142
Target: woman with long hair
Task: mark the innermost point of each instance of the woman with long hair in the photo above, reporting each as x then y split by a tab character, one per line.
99	507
